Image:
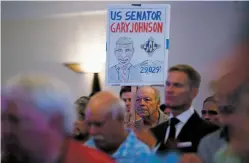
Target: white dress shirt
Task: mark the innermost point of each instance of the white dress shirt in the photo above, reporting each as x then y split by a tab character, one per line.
183	118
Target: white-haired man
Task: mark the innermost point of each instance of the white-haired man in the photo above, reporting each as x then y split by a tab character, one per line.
105	118
148	107
37	122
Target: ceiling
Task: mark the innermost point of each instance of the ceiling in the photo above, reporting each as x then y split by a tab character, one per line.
19	10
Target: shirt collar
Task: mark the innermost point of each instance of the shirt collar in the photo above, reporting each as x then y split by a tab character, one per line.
127	145
127	67
184	116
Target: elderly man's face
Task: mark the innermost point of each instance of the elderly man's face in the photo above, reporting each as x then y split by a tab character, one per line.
103	129
124	53
26	129
146	102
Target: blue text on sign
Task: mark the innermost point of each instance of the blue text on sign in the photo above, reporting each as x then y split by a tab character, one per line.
150	69
137	15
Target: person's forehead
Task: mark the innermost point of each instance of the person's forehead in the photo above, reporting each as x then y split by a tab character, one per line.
126	95
146	91
94	115
177	77
210	106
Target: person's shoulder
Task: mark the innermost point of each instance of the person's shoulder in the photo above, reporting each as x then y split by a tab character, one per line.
113	68
138	144
142	147
163	117
159	127
81	153
213	135
147	137
89	143
206	128
135	68
210	138
209	126
95	155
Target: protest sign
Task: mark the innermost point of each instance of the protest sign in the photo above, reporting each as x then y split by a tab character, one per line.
137	44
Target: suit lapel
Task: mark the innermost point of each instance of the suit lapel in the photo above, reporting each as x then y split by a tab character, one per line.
188	129
160	131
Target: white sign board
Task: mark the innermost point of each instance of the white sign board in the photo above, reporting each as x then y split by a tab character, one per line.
137	40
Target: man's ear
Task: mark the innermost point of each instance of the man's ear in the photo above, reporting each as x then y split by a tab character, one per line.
56	122
158	103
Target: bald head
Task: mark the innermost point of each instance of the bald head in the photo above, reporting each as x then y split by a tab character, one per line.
105	119
106	102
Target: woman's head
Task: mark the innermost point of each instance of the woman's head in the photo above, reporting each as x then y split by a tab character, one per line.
81	129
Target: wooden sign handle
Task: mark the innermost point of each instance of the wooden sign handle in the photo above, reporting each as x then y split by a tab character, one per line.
133	107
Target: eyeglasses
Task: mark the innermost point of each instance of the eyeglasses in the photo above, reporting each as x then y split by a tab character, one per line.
209	112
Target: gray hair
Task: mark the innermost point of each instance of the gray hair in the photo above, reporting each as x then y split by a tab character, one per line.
48	94
157	92
117	109
81	104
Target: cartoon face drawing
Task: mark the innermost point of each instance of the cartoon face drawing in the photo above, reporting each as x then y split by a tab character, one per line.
124	50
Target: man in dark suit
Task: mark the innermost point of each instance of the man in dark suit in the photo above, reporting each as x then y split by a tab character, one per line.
185	128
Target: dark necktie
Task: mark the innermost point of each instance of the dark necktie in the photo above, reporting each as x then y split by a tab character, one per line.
164	147
172	131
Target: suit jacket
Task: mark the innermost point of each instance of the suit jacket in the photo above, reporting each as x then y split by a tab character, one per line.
193	131
133	73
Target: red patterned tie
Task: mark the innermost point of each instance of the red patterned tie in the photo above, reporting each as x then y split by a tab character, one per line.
123	73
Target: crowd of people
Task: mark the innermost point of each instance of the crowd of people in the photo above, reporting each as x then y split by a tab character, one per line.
39	123
42	123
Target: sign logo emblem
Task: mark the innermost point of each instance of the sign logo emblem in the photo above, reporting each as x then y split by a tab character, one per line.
150	46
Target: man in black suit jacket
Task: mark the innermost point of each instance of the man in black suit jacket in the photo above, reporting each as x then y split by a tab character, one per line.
185	126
